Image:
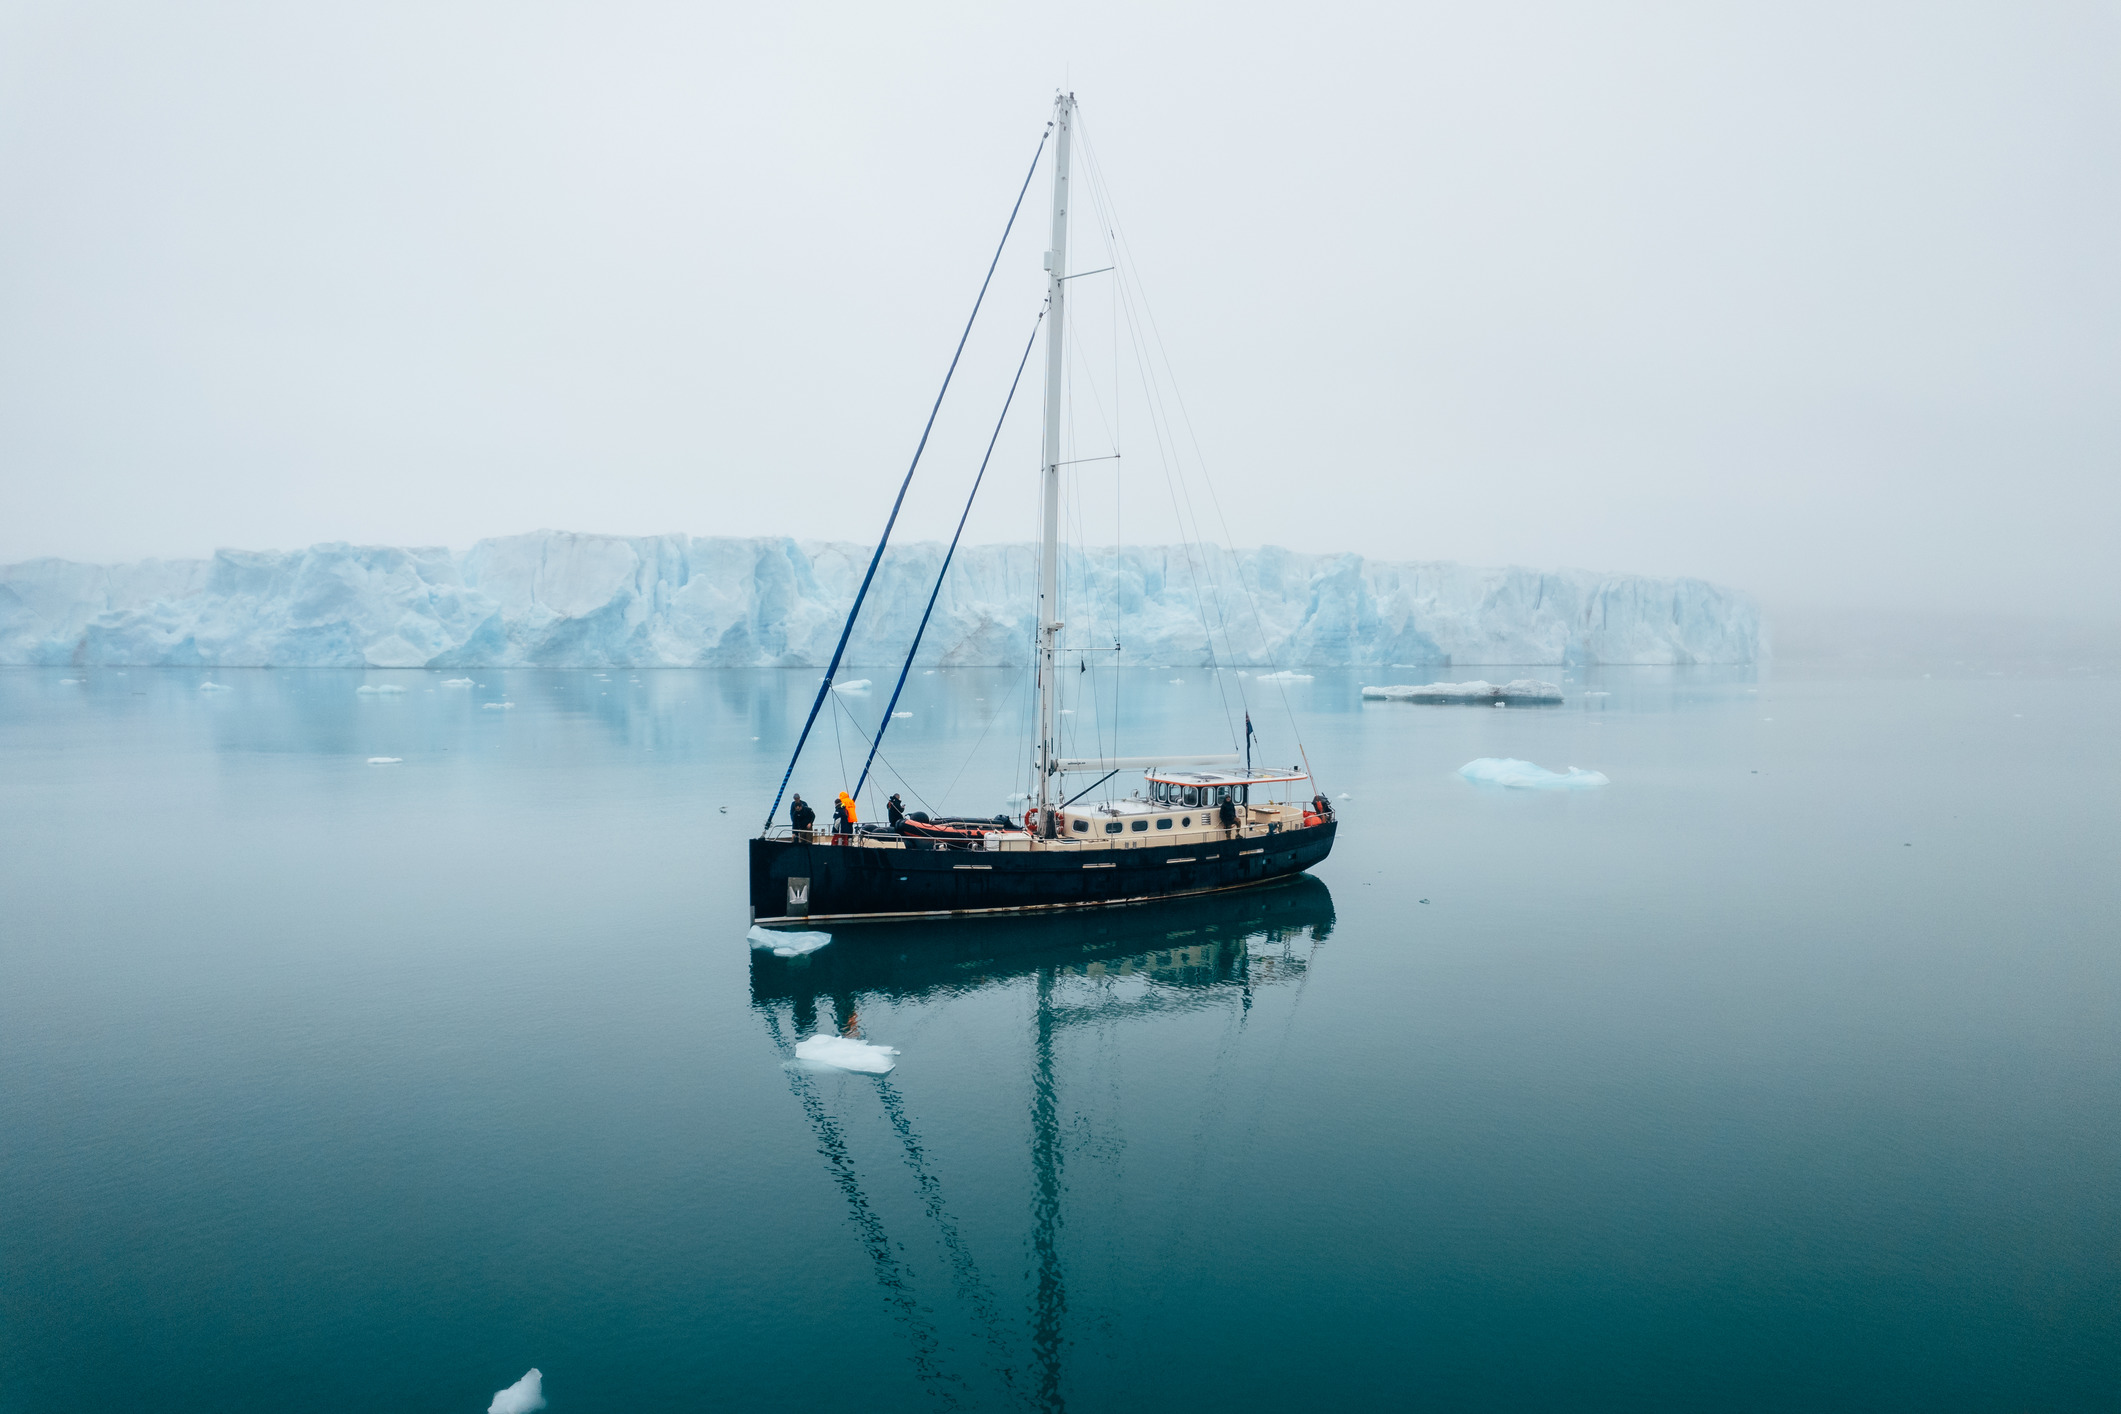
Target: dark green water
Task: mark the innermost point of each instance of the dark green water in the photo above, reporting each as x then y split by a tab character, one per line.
1784	1073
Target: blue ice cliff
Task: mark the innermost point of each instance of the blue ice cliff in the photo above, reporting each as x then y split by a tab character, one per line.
556	599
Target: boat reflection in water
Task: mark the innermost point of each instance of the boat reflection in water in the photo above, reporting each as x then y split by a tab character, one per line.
1096	970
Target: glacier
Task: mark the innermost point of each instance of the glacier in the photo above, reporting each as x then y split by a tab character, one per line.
562	599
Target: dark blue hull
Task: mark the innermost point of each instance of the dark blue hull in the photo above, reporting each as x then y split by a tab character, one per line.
840	883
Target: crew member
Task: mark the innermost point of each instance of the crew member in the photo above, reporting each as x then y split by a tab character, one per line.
802	817
896	809
843	815
1321	806
1227	813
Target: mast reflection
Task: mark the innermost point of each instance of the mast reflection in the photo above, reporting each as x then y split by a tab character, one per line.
1086	969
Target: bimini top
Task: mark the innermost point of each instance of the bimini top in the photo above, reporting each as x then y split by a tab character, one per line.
1265	775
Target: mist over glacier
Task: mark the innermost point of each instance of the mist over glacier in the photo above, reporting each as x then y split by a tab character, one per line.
559	599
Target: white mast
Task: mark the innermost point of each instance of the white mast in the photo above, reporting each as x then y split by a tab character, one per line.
1049	627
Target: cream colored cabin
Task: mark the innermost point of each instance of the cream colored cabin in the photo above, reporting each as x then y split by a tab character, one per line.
1173	808
1185	806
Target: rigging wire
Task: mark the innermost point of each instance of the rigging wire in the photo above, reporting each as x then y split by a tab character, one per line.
1167	451
1096	170
944	572
853	613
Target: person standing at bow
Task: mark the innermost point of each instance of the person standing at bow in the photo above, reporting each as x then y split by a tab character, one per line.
802	817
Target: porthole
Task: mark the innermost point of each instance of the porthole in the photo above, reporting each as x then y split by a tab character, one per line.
1082	827
1141	825
1111	827
1164	824
1188	822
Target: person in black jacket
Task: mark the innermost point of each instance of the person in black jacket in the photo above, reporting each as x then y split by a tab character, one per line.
802	817
896	809
1228	814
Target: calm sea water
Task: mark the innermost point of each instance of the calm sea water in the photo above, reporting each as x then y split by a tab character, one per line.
1783	1073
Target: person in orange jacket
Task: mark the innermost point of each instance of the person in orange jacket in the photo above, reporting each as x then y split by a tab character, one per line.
843	815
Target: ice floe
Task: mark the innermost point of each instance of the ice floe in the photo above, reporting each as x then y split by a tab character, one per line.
858	685
379	689
495	706
214	687
385	760
1527	775
70	682
845	1053
456	682
785	944
525	1396
1285	676
1478	690
901	714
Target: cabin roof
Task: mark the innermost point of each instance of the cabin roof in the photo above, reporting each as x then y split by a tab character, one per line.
1262	776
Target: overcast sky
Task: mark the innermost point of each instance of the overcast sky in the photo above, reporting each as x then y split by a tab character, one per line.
1818	300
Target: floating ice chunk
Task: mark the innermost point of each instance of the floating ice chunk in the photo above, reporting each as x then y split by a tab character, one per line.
901	714
1525	775
214	687
1595	694
1285	676
858	685
525	1396
375	689
70	682
385	760
785	944
1478	690
1176	681
496	706
845	1053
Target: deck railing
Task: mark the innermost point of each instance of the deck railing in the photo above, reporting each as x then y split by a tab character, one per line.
1135	839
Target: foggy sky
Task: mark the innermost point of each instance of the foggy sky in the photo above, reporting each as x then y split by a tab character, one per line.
1820	301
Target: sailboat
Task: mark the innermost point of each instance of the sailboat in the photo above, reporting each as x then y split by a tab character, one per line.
1196	824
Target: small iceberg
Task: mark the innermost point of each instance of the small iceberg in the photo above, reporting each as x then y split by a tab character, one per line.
385	760
214	687
1528	690
456	682
525	1396
896	715
845	1053
1288	677
495	706
858	685
1588	695
1527	775
378	689
785	944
